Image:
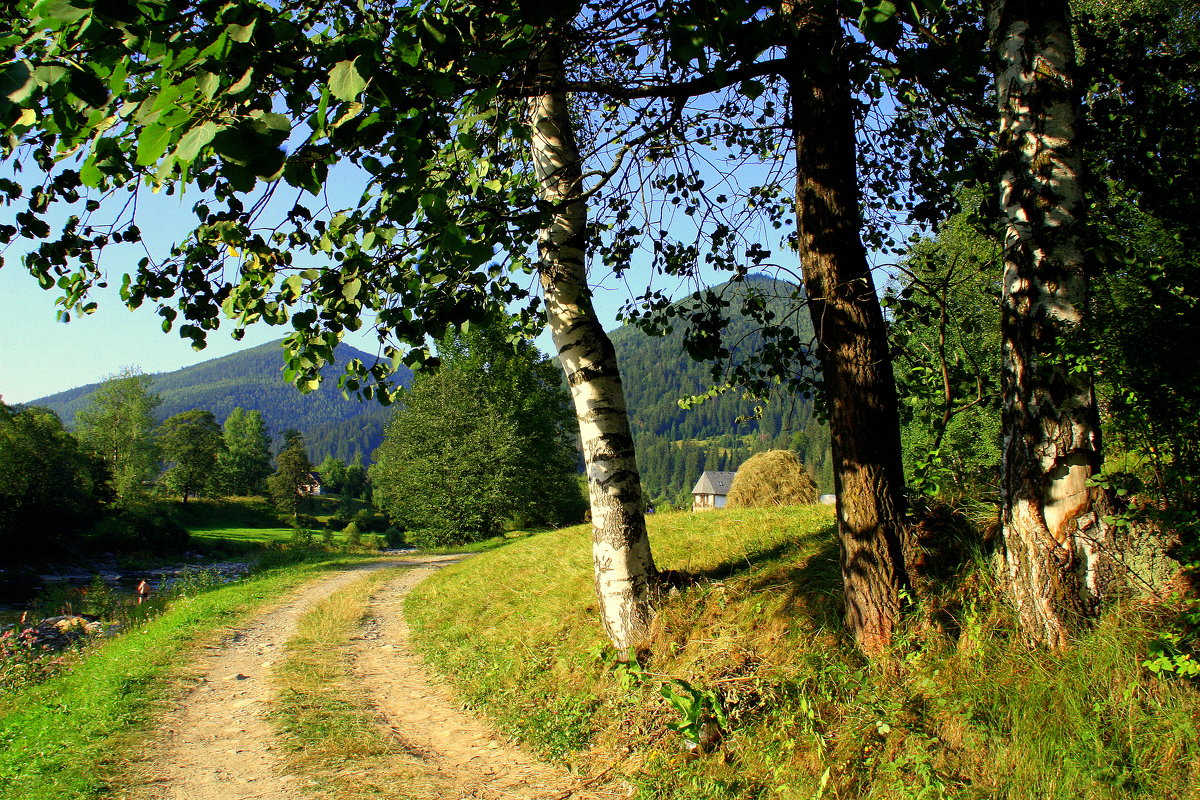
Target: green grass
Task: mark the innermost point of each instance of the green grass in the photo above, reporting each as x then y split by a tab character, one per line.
962	709
330	729
71	736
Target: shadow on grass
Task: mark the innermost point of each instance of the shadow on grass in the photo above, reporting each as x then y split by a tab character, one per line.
805	569
812	586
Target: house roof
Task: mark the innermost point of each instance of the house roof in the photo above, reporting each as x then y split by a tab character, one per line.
713	482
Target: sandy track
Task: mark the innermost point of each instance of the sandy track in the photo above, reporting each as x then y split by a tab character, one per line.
217	744
467	758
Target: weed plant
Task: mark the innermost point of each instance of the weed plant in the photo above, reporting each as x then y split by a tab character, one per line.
961	708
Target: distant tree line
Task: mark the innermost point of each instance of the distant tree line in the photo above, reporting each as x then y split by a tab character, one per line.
107	479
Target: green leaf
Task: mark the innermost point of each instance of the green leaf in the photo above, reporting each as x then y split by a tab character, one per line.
90	174
243	82
344	81
194	140
60	10
241	33
152	143
16	81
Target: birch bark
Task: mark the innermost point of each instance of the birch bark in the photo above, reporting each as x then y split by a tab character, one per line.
1056	543
623	564
852	344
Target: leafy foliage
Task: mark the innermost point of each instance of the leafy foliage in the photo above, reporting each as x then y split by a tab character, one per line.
944	327
244	462
50	490
191	442
292	470
118	426
482	443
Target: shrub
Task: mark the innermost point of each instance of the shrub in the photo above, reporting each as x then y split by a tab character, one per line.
370	522
353	534
140	527
772	479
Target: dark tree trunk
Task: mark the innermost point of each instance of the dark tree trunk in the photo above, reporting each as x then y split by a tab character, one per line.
1056	543
852	343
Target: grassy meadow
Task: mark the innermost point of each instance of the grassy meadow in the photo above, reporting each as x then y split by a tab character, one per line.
753	639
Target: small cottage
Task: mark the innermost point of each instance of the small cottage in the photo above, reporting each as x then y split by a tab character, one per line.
711	490
312	485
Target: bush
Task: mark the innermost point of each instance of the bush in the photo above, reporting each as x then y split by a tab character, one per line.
353	534
772	479
369	522
394	537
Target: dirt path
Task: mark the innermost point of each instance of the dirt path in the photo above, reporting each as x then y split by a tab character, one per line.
467	757
217	745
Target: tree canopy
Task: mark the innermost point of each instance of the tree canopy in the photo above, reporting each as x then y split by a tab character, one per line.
483	443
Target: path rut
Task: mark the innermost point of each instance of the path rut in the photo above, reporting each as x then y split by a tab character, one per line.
218	745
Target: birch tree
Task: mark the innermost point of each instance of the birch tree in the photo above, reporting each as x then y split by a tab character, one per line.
1057	546
623	566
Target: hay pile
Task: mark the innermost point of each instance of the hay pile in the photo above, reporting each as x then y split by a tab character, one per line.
771	479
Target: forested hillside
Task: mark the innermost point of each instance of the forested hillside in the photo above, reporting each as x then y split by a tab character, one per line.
674	444
252	379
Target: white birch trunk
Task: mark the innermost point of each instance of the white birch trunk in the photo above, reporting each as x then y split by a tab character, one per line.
624	568
1056	544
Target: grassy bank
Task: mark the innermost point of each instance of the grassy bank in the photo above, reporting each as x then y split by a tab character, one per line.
70	736
962	710
329	727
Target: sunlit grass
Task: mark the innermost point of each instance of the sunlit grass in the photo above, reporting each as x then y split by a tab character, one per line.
962	709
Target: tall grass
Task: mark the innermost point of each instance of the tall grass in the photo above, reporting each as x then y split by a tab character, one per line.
961	709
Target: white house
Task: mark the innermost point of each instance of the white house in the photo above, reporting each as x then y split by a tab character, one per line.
711	490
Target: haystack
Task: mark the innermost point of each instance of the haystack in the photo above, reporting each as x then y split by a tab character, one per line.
770	479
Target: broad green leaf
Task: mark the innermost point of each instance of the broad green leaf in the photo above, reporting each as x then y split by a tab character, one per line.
16	81
152	143
351	289
241	33
90	174
344	81
194	140
243	82
60	10
47	75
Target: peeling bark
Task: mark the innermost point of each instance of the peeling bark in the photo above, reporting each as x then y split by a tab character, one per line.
851	335
1056	544
624	567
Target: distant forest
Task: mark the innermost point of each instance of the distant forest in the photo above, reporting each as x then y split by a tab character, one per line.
674	445
253	379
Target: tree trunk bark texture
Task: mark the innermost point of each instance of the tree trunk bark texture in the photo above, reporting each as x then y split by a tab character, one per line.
624	567
1056	544
852	343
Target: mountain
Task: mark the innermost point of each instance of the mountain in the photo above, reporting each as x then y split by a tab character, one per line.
675	445
253	379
